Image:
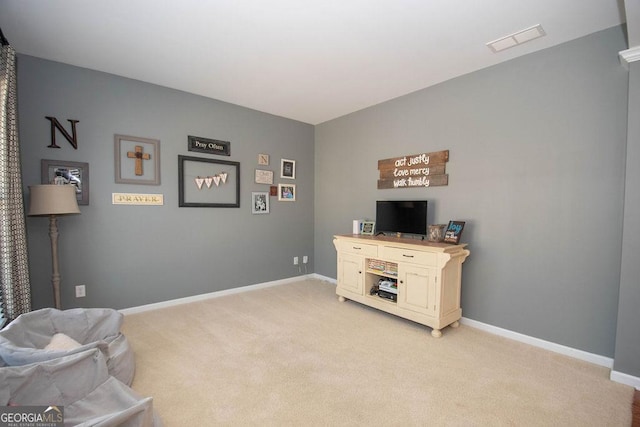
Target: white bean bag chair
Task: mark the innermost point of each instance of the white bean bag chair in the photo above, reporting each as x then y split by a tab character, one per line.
49	333
81	384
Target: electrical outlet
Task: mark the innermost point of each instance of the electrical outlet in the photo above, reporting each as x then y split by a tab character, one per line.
81	291
305	259
295	260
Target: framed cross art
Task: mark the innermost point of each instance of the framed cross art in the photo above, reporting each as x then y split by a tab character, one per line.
137	160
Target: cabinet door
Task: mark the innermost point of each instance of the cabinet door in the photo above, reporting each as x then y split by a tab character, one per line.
350	273
417	289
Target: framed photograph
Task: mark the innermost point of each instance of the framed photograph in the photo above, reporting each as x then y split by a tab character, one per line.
208	183
287	169
260	202
67	173
368	227
453	232
287	192
273	190
264	176
263	159
137	160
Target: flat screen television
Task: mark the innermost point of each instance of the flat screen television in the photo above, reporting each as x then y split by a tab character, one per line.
401	216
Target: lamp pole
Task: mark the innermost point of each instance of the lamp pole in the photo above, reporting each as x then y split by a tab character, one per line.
53	201
55	276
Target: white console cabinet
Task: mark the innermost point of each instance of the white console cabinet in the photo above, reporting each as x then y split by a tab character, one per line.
428	277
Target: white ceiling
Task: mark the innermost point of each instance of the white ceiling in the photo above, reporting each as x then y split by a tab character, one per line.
308	60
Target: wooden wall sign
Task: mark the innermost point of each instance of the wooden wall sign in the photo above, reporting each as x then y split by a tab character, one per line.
209	146
137	199
418	170
55	124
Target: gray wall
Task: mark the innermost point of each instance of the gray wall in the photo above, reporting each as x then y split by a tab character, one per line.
627	355
133	255
536	169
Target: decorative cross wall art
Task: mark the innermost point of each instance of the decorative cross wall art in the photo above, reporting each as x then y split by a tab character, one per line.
139	155
137	160
208	183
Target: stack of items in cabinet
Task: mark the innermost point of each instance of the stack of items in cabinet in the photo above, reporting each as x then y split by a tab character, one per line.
388	289
390	268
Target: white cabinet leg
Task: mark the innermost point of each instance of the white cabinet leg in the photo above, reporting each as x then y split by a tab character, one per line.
436	333
455	324
341	298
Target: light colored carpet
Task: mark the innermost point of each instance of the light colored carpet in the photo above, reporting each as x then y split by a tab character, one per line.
293	355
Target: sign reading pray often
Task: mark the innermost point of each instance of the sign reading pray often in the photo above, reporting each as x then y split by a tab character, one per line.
417	170
209	146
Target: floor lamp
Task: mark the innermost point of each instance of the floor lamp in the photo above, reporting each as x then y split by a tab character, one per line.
53	200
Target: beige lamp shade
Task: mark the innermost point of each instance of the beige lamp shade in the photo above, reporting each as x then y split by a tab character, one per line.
52	199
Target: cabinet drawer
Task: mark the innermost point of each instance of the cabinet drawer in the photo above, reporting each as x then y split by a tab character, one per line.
409	255
359	248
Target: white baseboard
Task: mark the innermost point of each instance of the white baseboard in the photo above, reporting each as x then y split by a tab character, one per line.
596	359
323	278
216	294
627	379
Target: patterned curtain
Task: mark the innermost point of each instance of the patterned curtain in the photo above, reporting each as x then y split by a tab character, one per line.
15	290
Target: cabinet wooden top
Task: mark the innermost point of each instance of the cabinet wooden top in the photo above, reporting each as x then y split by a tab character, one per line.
403	242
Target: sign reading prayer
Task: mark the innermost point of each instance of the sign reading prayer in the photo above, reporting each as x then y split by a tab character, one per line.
418	170
137	199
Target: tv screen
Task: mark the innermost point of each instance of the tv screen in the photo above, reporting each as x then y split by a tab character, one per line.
401	216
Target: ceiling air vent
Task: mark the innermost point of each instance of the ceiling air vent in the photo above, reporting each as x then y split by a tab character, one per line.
516	38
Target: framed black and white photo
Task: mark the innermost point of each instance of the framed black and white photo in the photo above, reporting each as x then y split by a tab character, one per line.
287	169
208	183
287	192
63	172
260	202
137	160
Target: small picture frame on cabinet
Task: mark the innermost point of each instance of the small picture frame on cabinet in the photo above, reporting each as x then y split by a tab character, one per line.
453	232
368	227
